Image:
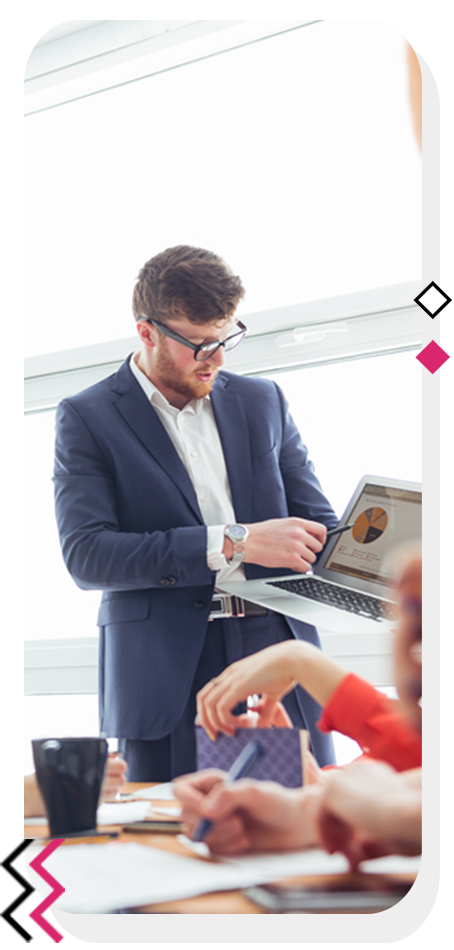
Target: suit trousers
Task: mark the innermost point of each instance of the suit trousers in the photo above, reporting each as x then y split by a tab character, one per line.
226	641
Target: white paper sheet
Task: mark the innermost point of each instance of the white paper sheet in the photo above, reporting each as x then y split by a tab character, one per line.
101	878
111	813
315	862
162	792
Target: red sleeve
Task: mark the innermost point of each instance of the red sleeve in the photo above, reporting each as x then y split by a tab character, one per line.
363	713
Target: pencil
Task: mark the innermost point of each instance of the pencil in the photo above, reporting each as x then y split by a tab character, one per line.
102	838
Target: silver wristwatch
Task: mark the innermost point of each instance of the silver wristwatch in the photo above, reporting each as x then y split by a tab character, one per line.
238	535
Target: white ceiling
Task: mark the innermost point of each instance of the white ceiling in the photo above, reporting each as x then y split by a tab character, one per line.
37	32
81	57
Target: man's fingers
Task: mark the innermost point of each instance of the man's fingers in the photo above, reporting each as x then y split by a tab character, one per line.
301	565
228	836
191	789
288	542
316	531
227	799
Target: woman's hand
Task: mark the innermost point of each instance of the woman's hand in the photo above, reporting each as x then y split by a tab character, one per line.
269	673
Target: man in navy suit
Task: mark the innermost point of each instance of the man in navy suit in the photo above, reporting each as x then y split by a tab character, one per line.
170	475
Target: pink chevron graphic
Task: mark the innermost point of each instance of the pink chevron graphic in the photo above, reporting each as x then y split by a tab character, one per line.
57	890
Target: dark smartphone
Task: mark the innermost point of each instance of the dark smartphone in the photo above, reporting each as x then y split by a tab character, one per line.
155	824
355	898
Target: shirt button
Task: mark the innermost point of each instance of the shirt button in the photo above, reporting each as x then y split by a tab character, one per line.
194	454
200	603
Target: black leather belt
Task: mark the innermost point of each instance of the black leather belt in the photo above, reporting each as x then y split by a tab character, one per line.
227	605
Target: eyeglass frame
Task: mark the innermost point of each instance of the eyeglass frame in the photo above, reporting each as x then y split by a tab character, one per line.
173	335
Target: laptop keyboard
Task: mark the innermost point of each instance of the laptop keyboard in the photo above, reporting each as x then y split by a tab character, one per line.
343	598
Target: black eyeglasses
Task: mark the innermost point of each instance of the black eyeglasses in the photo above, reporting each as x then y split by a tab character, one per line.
203	351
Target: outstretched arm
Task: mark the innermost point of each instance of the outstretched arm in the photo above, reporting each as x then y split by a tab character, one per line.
273	672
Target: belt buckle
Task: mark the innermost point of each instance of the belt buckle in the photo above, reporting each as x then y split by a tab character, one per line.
239	607
225	607
231	606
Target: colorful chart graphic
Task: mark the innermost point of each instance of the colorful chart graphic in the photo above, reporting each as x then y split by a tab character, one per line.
369	525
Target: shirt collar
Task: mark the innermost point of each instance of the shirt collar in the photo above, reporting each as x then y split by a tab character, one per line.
155	395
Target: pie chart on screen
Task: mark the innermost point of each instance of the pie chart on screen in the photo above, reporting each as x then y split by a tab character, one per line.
370	525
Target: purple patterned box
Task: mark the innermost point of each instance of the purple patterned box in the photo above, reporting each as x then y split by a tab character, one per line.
282	763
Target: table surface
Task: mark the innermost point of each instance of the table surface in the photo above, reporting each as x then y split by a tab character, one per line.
220	902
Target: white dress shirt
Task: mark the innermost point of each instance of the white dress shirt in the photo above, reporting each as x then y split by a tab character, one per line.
195	436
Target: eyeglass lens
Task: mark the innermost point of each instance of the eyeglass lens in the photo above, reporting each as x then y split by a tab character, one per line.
228	344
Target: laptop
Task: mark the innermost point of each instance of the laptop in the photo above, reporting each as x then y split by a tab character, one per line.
351	586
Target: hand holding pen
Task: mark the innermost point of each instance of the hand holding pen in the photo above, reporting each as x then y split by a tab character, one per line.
243	766
249	816
339	530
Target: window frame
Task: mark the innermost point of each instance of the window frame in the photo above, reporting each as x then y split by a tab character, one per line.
369	323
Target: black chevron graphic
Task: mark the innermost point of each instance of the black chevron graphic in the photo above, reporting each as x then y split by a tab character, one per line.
16	892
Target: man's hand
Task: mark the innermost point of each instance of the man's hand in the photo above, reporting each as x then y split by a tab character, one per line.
282	543
368	810
248	815
285	542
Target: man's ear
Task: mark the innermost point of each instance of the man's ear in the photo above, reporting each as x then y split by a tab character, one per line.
148	334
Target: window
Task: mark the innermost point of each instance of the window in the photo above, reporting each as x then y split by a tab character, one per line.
294	158
358	417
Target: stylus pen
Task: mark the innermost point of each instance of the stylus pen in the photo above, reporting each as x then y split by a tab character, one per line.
243	766
329	534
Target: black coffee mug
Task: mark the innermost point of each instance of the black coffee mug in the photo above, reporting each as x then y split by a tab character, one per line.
69	774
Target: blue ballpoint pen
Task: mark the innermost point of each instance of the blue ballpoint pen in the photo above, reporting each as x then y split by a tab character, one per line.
246	762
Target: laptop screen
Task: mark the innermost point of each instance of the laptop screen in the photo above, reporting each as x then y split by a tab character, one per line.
383	517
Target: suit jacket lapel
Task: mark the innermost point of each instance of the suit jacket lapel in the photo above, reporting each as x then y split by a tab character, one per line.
234	432
137	411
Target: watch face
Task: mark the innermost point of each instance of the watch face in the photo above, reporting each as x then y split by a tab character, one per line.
237	532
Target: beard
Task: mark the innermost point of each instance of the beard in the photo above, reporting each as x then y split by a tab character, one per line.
188	386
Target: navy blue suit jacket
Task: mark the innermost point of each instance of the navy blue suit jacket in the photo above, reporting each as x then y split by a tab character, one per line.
130	525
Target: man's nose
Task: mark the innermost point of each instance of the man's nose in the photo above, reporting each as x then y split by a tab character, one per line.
217	357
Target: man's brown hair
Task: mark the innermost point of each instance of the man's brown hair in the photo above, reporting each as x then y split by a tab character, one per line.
186	281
